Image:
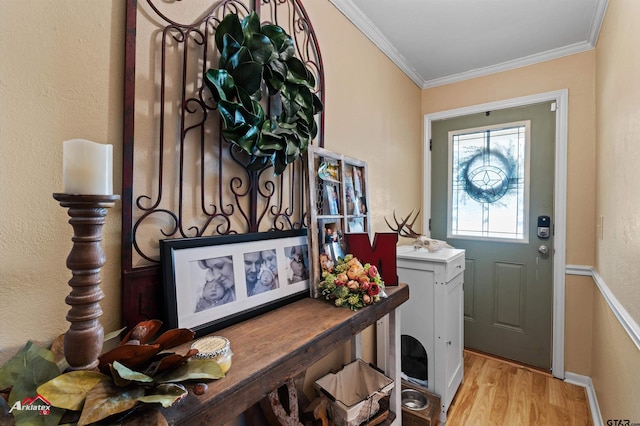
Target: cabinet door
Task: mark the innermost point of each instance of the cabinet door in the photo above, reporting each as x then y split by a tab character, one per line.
417	314
454	339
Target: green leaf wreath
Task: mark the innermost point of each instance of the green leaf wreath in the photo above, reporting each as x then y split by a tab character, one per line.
253	58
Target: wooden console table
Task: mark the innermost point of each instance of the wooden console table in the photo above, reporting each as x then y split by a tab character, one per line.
281	344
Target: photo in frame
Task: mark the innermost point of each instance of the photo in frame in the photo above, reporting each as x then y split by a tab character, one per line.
330	231
331	237
331	198
213	282
352	199
356	224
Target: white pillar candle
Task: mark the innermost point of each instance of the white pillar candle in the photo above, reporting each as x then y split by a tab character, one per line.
87	167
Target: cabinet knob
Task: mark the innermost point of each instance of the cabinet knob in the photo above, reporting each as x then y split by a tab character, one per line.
448	342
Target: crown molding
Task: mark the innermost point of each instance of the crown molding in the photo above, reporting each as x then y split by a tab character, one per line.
510	65
596	23
355	15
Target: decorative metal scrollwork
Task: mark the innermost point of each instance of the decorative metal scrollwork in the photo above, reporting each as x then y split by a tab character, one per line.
180	177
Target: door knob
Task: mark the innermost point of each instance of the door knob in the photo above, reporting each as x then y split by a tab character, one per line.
543	250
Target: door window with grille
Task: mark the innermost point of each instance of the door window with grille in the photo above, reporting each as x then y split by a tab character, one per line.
489	182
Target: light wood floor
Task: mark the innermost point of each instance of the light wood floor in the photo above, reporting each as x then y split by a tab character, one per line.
496	392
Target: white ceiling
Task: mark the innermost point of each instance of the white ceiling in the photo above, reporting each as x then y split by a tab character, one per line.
438	42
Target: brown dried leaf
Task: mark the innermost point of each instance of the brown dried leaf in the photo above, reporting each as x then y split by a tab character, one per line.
130	355
174	337
143	331
105	399
174	360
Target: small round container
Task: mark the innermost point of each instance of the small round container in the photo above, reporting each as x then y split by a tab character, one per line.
224	361
216	348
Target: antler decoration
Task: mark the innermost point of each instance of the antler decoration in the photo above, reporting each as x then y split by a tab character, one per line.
404	228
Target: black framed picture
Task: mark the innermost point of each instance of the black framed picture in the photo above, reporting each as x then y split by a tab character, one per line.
213	282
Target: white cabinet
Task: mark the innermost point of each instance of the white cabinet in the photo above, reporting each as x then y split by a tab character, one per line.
434	314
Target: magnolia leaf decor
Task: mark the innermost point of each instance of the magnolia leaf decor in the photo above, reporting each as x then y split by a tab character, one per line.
165	394
253	57
141	369
106	399
28	369
69	390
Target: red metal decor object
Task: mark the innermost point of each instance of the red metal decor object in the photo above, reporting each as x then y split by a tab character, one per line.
382	253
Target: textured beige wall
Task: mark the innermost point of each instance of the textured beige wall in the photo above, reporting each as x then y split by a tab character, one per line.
65	80
61	77
578	326
615	358
372	113
576	73
618	153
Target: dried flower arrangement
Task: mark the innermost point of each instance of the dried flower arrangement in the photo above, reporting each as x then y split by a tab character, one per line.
351	284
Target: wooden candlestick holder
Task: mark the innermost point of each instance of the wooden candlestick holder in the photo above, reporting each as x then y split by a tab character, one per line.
83	341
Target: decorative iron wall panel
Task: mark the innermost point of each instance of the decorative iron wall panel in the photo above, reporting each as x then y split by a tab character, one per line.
180	177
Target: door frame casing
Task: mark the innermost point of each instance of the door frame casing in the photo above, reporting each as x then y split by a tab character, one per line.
561	99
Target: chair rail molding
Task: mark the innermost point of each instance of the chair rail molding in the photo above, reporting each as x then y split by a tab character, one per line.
626	321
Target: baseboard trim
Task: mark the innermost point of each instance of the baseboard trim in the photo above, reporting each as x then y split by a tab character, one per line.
586	383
